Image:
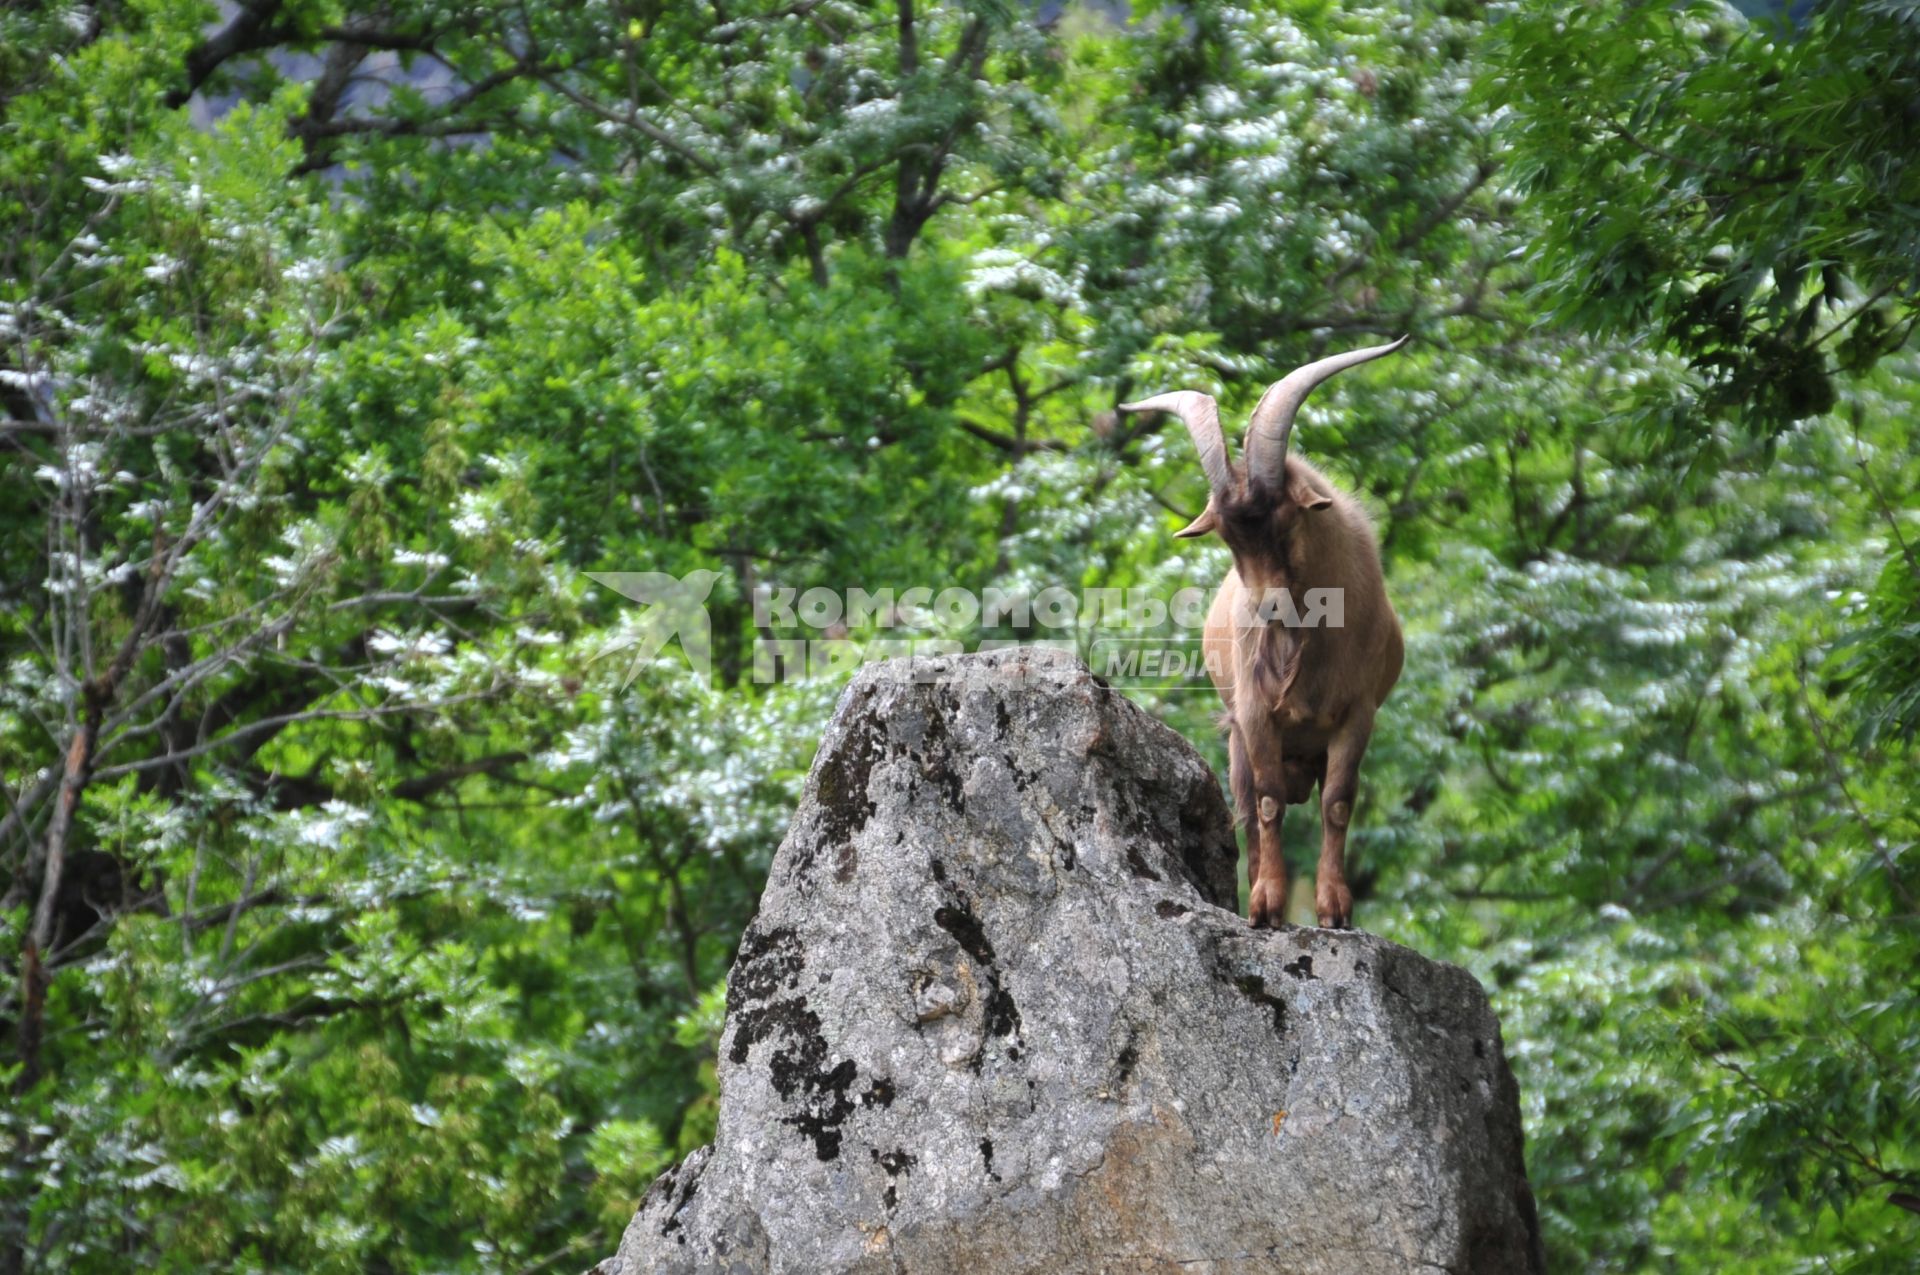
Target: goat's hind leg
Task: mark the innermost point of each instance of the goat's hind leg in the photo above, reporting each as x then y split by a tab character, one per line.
1332	899
1240	778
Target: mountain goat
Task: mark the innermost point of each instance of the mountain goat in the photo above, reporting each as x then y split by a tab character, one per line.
1300	701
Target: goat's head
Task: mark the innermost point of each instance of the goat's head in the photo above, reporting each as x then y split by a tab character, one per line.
1253	503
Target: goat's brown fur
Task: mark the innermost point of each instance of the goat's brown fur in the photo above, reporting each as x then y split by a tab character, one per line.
1299	702
1309	694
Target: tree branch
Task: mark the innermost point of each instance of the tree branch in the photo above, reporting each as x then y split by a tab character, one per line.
253	28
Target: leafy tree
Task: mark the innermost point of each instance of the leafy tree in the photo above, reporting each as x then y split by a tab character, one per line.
1743	190
1740	195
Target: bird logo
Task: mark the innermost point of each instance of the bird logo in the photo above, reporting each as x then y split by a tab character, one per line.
676	608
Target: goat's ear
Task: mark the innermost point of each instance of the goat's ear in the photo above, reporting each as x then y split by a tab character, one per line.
1207	521
1302	491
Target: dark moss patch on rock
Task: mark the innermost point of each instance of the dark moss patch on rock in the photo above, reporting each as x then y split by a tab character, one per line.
840	780
828	1106
937	765
769	960
1254	988
959	921
1003	1016
1128	1058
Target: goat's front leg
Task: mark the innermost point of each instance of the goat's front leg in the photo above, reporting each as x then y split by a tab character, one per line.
1260	792
1332	900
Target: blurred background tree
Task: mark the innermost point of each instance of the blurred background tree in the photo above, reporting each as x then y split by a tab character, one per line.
356	916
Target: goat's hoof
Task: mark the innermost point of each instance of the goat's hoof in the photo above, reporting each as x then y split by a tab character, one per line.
1333	905
1267	905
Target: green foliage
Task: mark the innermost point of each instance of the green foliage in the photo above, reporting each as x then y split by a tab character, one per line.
391	923
1747	192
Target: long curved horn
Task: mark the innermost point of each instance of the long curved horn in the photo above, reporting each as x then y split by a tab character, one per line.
1272	420
1202	417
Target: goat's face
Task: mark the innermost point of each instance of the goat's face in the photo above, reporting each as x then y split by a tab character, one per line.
1256	518
1257	504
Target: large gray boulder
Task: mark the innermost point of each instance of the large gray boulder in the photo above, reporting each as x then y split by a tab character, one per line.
996	1014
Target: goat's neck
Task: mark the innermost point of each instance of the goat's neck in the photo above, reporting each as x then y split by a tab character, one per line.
1289	567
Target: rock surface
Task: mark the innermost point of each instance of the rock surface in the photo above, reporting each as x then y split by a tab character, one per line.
992	1017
